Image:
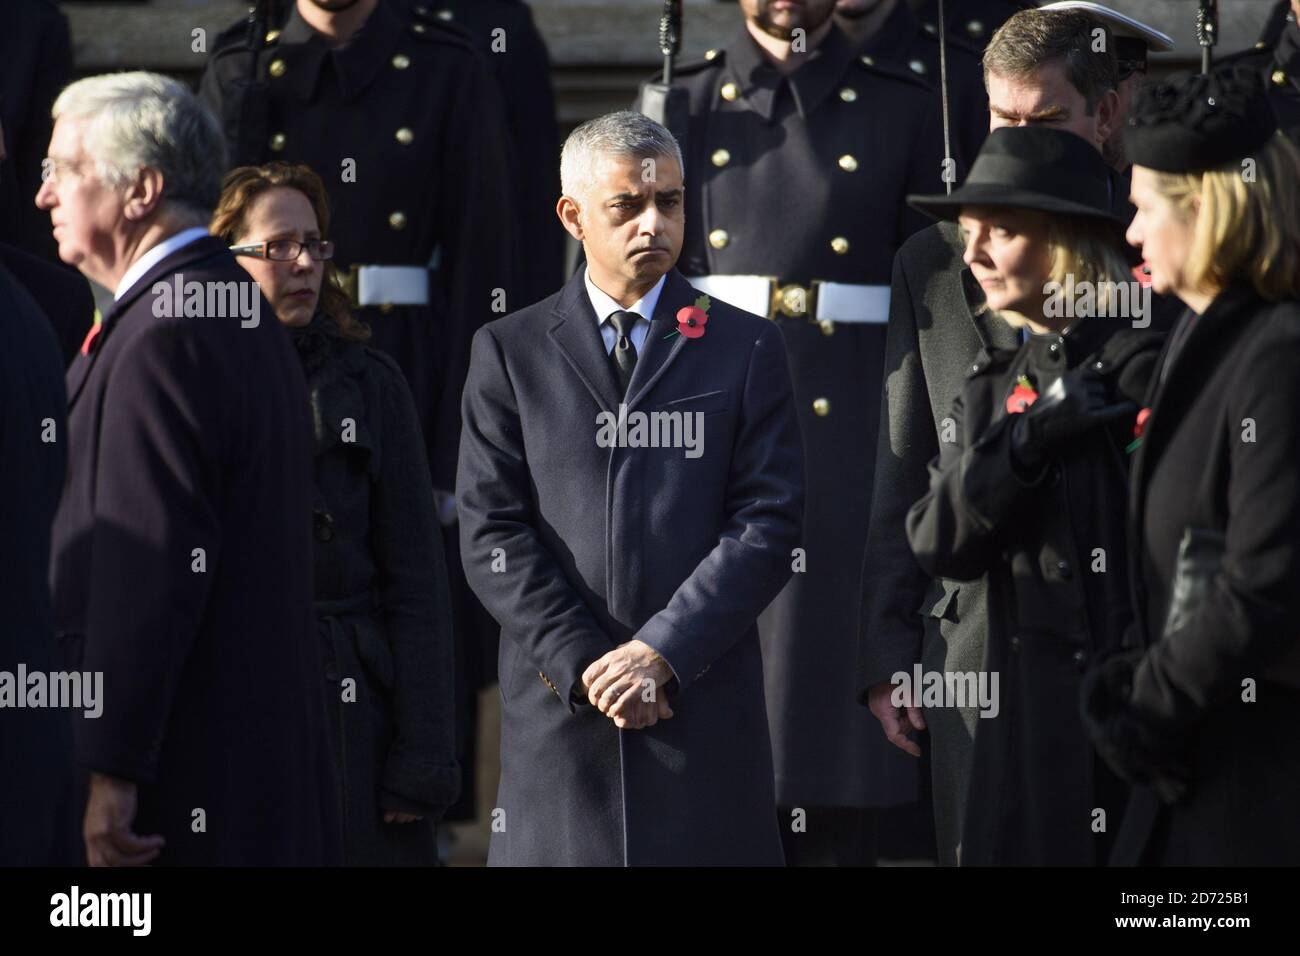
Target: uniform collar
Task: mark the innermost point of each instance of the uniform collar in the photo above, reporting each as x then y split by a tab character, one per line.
355	64
760	82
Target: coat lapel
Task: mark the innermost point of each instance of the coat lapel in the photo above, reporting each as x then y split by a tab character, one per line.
187	255
578	338
660	350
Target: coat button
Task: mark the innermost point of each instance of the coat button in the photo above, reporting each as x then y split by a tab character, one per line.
1079	657
419	28
729	91
917	67
278	141
404	136
397	220
720	157
848	94
1064	569
1015	643
1278	78
848	163
277	67
710	54
718	239
975	28
839	245
445	15
272	36
401	61
867	60
929	28
1099	366
331	675
821	407
827	326
975	367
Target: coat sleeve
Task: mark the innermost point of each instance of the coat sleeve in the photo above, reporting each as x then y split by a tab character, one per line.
156	505
893	584
956	530
730	587
407	544
532	599
1249	616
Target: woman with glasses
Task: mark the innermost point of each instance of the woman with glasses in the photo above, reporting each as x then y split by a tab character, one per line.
382	604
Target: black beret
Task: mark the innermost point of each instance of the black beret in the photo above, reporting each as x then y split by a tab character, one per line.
1194	122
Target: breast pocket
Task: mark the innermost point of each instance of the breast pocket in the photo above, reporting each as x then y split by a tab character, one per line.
707	403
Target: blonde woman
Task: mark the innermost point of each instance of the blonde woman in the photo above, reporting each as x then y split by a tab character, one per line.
1028	490
1204	714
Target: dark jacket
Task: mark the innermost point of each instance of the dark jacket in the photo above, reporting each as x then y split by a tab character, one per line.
858	134
62	293
182	572
381	600
1215	693
35	743
577	548
939	327
1051	549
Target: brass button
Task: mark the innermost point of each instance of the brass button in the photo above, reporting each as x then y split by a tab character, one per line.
278	141
404	136
720	157
929	28
277	68
848	163
718	238
401	61
839	245
848	94
868	60
1278	78
444	15
272	36
827	326
975	28
710	54
916	66
821	407
419	27
397	220
729	91
385	307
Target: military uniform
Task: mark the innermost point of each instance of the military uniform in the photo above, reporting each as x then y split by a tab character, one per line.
1279	63
794	208
970	21
423	231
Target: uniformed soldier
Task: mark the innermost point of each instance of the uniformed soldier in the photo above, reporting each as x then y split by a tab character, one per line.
1277	57
394	108
797	165
971	21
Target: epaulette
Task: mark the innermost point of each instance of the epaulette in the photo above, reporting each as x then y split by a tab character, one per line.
884	67
434	26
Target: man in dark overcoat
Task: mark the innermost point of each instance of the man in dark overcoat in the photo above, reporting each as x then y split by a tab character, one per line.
627	571
181	557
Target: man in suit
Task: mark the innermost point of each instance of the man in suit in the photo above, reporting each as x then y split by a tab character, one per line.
627	572
939	327
35	749
182	546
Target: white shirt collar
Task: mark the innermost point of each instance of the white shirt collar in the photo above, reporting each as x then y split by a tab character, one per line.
155	254
604	306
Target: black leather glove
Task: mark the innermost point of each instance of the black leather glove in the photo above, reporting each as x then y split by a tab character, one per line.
1137	749
1074	404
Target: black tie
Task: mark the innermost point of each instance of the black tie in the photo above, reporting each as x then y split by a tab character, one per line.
624	354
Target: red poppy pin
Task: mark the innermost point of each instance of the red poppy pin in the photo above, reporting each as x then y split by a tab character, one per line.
1021	397
1139	427
691	319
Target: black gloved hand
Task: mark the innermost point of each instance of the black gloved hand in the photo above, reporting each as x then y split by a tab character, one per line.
1074	404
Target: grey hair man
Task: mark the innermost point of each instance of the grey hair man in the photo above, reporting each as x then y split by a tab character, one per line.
181	553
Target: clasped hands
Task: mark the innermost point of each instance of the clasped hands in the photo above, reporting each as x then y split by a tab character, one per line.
626	685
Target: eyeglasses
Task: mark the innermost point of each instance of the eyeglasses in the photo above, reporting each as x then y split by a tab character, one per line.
287	250
52	169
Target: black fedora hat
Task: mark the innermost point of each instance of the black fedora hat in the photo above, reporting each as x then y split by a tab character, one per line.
1031	167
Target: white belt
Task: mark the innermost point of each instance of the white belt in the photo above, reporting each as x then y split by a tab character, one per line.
386	285
821	301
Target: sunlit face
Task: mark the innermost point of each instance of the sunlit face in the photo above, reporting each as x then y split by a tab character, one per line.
1008	253
1046	97
630	220
292	287
780	18
1163	232
85	213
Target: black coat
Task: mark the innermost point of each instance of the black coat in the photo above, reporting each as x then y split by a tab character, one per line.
1278	64
61	292
601	545
1218	456
381	600
1052	550
185	434
35	744
939	327
792	170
